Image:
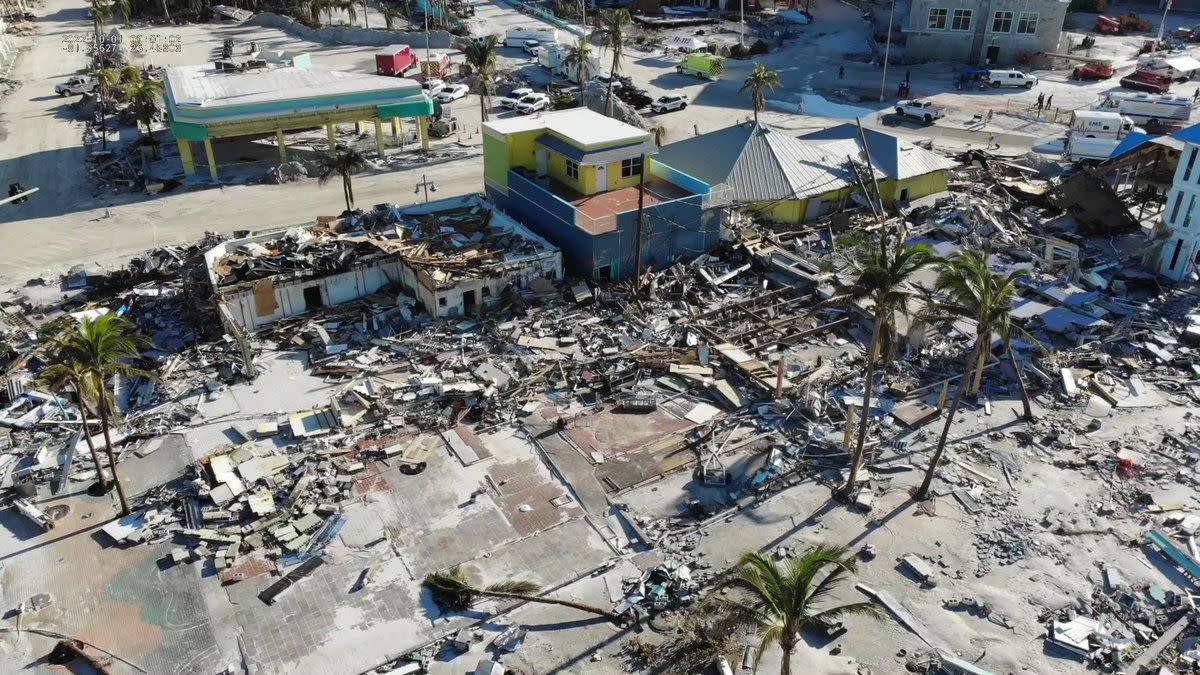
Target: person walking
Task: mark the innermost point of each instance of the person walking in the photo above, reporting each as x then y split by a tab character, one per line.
841	72
1049	100
1041	100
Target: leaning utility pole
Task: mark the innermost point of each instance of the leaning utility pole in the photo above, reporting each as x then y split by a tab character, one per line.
1162	24
637	281
887	50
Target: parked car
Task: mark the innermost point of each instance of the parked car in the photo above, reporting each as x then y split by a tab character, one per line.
921	109
669	102
634	98
533	103
532	47
1011	78
442	127
433	85
79	84
452	93
514	97
603	80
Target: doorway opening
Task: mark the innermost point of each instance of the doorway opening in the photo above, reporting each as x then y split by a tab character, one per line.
312	297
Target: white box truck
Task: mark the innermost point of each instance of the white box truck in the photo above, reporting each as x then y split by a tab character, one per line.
1094	135
517	37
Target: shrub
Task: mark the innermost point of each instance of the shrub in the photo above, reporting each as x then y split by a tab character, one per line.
1133	22
759	47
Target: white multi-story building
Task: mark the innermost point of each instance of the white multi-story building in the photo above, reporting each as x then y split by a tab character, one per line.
1178	255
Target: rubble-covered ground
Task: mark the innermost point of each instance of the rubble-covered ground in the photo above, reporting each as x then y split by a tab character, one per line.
619	447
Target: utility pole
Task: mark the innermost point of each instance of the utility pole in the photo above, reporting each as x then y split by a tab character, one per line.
426	185
426	13
887	50
1162	25
637	281
742	22
871	167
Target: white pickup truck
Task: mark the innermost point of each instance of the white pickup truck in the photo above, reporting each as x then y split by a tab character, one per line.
77	84
921	109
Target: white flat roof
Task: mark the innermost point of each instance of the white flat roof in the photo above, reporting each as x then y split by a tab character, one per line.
581	125
205	87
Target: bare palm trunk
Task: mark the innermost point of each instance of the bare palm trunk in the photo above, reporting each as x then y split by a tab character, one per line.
350	192
102	408
865	416
978	381
166	10
1025	402
346	191
608	99
785	661
923	491
87	436
551	601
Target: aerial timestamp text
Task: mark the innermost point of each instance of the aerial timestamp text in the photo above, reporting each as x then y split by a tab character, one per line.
153	43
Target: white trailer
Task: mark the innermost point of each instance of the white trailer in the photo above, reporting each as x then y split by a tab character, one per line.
1144	108
554	58
517	37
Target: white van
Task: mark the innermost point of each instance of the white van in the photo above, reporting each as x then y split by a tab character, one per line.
1011	78
1096	124
517	37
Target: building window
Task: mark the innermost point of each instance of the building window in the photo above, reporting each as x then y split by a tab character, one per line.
962	20
441	302
937	18
485	292
572	170
1187	215
1002	22
631	167
1187	172
1175	208
1175	255
1028	23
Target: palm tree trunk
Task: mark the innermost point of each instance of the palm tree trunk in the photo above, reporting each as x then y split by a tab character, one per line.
1025	402
166	13
102	408
864	416
103	116
608	98
978	381
346	191
923	491
87	437
350	191
785	661
551	601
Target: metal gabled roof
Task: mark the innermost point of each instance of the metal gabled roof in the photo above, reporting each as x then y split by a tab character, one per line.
893	157
759	164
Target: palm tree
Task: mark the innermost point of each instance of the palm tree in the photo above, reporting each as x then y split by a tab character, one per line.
759	79
481	55
452	590
100	348
578	57
128	74
389	16
65	372
122	6
106	79
344	162
144	95
881	275
101	13
777	600
610	33
971	290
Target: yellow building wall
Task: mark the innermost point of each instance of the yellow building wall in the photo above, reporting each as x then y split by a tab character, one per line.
521	149
793	210
917	186
558	171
